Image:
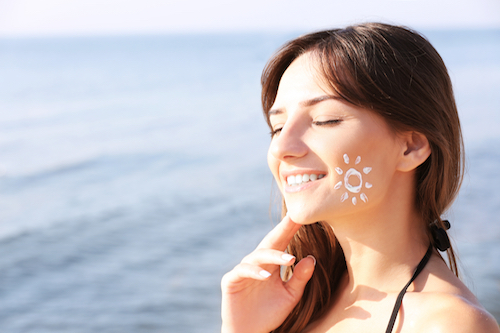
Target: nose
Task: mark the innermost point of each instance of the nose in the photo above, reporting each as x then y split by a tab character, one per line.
289	143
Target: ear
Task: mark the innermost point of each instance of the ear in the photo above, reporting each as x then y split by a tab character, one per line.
415	150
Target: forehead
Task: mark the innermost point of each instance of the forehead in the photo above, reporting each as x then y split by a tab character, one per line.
302	80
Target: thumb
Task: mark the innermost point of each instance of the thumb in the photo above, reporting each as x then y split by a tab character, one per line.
302	273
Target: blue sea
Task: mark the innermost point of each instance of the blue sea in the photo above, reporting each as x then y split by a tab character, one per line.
133	175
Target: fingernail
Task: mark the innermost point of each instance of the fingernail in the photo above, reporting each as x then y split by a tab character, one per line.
311	256
265	273
287	257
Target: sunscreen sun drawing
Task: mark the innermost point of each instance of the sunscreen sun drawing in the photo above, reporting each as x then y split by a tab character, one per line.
349	175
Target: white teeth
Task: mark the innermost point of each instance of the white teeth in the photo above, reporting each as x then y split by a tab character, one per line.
299	179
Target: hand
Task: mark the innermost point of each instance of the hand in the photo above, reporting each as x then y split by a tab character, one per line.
254	298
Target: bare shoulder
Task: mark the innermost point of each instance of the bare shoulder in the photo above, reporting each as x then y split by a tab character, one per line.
446	305
448	313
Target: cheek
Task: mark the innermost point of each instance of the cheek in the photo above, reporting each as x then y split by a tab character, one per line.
354	179
363	177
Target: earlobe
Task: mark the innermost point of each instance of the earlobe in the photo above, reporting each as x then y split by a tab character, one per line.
415	151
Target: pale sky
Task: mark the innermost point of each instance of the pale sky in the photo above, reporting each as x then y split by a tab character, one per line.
103	17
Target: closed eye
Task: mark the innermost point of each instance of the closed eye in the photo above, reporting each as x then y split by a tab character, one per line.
276	131
327	122
318	123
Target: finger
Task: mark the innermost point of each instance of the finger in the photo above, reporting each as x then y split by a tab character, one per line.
269	256
242	272
280	236
301	275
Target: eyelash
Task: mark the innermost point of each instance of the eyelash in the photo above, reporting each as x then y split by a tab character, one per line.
317	123
276	131
327	122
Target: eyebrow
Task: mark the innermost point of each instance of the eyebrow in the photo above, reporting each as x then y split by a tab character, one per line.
307	103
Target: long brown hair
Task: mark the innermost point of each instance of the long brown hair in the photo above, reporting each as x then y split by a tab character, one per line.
396	73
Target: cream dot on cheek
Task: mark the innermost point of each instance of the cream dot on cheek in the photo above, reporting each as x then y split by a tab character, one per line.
353	181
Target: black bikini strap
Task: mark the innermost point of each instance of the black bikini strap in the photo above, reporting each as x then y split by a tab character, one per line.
419	269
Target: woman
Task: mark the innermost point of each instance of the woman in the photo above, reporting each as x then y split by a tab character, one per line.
367	152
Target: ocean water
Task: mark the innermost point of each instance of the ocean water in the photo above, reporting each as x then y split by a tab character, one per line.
133	175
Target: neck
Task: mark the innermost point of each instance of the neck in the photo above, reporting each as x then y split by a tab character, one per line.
382	246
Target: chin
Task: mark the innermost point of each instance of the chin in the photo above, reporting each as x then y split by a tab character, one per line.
310	211
301	216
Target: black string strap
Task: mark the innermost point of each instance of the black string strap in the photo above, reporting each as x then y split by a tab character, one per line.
397	306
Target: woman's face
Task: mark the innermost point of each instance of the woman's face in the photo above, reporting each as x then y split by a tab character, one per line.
329	158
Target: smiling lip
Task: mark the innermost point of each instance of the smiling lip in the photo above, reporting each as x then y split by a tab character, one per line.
300	180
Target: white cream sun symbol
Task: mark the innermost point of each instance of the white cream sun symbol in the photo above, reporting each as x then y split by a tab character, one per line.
350	187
